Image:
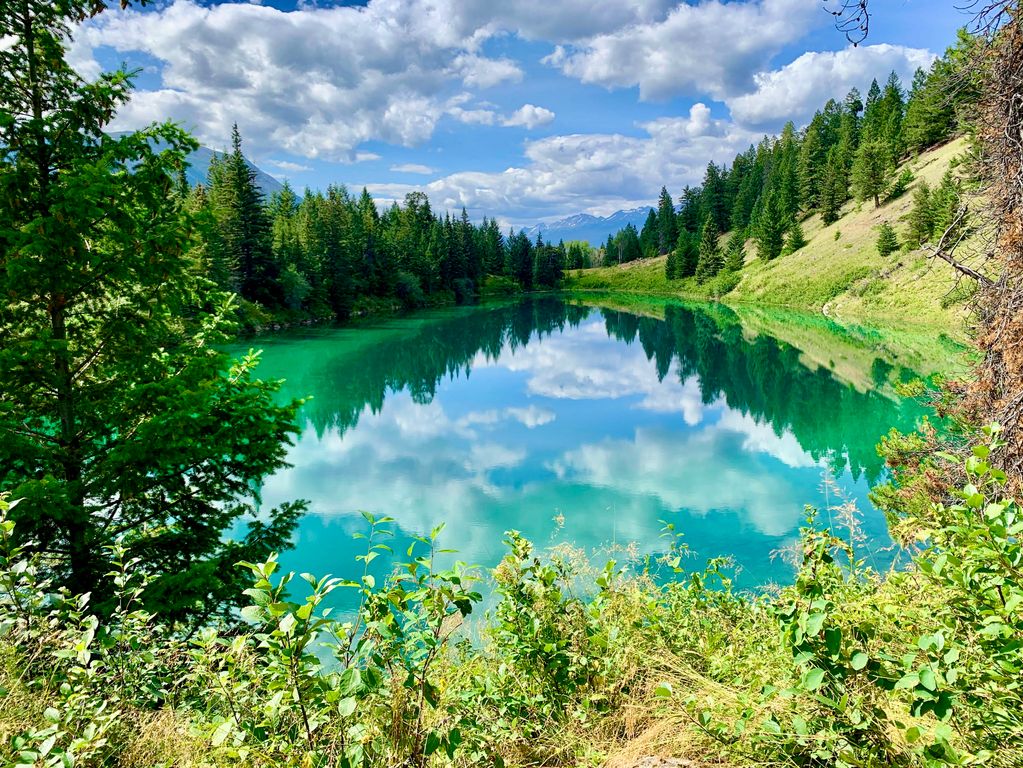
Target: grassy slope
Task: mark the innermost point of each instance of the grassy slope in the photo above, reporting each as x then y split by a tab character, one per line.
844	278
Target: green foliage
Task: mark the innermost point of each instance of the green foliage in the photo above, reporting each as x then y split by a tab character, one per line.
769	228
919	667
710	260
795	239
735	252
901	184
887	240
119	416
871	172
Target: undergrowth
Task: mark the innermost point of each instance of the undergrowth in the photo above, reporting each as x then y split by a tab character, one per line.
919	666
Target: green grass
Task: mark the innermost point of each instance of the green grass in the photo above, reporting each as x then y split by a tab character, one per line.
838	273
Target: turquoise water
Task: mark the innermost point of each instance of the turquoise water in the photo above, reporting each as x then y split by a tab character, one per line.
577	425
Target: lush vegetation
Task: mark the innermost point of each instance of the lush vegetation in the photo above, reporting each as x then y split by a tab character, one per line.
130	444
840	271
836	669
850	149
335	255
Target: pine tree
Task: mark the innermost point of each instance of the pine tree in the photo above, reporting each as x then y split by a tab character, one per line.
245	228
672	269
833	188
687	254
812	157
667	226
921	217
649	235
871	173
795	238
735	253
709	260
119	419
887	241
892	112
769	228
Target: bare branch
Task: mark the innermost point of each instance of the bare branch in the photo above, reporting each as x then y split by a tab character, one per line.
945	249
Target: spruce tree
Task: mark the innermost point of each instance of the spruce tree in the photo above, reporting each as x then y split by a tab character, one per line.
735	253
871	173
769	228
649	235
887	240
687	254
812	157
671	265
667	226
709	260
833	188
795	238
121	418
245	228
921	217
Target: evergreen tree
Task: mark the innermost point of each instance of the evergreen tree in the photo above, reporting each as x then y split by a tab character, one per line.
946	203
812	157
892	113
871	173
872	126
887	241
690	216
119	419
649	235
667	226
769	228
672	268
709	260
687	254
735	252
921	217
795	238
784	178
629	244
237	204
833	187
714	198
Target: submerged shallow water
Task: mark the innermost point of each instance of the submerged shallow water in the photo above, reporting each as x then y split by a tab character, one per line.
586	426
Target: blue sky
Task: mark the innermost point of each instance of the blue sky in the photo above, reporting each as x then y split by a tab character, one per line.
525	109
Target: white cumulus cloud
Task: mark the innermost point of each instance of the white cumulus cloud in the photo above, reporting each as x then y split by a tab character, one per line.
797	90
529	116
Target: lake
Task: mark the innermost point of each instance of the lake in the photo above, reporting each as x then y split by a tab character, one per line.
590	426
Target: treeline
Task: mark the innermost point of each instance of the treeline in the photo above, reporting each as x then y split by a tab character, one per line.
850	149
328	254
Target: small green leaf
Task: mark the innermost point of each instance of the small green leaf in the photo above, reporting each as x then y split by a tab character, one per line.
812	679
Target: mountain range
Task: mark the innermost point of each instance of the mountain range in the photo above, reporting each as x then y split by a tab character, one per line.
592	229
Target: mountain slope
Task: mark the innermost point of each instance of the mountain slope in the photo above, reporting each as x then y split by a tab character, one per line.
839	272
199	168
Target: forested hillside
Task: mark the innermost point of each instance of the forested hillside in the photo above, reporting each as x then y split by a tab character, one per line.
811	214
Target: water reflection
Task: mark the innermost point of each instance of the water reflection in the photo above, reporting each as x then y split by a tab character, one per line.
609	422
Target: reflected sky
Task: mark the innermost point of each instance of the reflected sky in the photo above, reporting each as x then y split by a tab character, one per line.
582	426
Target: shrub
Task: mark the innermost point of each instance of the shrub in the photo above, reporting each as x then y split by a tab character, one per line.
408	291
